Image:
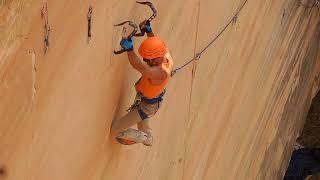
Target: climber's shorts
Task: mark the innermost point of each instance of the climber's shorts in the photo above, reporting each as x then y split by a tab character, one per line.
148	107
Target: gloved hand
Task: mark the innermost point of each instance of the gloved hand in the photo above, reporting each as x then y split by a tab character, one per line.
145	26
127	44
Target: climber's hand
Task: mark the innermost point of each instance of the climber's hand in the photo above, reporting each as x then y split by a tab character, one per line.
127	44
145	26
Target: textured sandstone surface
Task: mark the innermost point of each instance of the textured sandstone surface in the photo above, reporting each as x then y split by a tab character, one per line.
232	115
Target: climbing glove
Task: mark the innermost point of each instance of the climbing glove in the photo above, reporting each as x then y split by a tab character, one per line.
145	26
127	44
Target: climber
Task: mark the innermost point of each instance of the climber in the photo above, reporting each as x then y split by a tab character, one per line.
150	88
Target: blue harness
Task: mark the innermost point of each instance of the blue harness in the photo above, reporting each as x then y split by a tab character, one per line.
155	100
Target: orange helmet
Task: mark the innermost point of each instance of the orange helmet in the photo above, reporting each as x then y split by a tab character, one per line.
152	47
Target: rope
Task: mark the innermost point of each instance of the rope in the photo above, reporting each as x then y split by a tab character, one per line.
198	55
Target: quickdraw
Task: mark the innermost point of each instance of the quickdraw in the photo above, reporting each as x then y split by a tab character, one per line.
134	26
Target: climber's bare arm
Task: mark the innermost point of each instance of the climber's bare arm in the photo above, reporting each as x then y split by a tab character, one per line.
136	62
153	73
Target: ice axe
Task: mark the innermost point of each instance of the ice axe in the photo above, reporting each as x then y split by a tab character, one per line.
133	32
135	27
154	14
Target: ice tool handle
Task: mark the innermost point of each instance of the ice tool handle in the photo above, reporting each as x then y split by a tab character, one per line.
134	31
150	18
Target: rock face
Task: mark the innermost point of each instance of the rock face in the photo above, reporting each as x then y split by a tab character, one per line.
234	114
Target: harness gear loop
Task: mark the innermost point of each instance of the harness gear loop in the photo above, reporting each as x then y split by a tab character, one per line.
146	101
135	104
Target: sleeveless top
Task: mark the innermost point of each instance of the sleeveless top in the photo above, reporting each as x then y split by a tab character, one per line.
149	90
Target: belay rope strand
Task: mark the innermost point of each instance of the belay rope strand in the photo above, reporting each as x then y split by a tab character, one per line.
198	55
